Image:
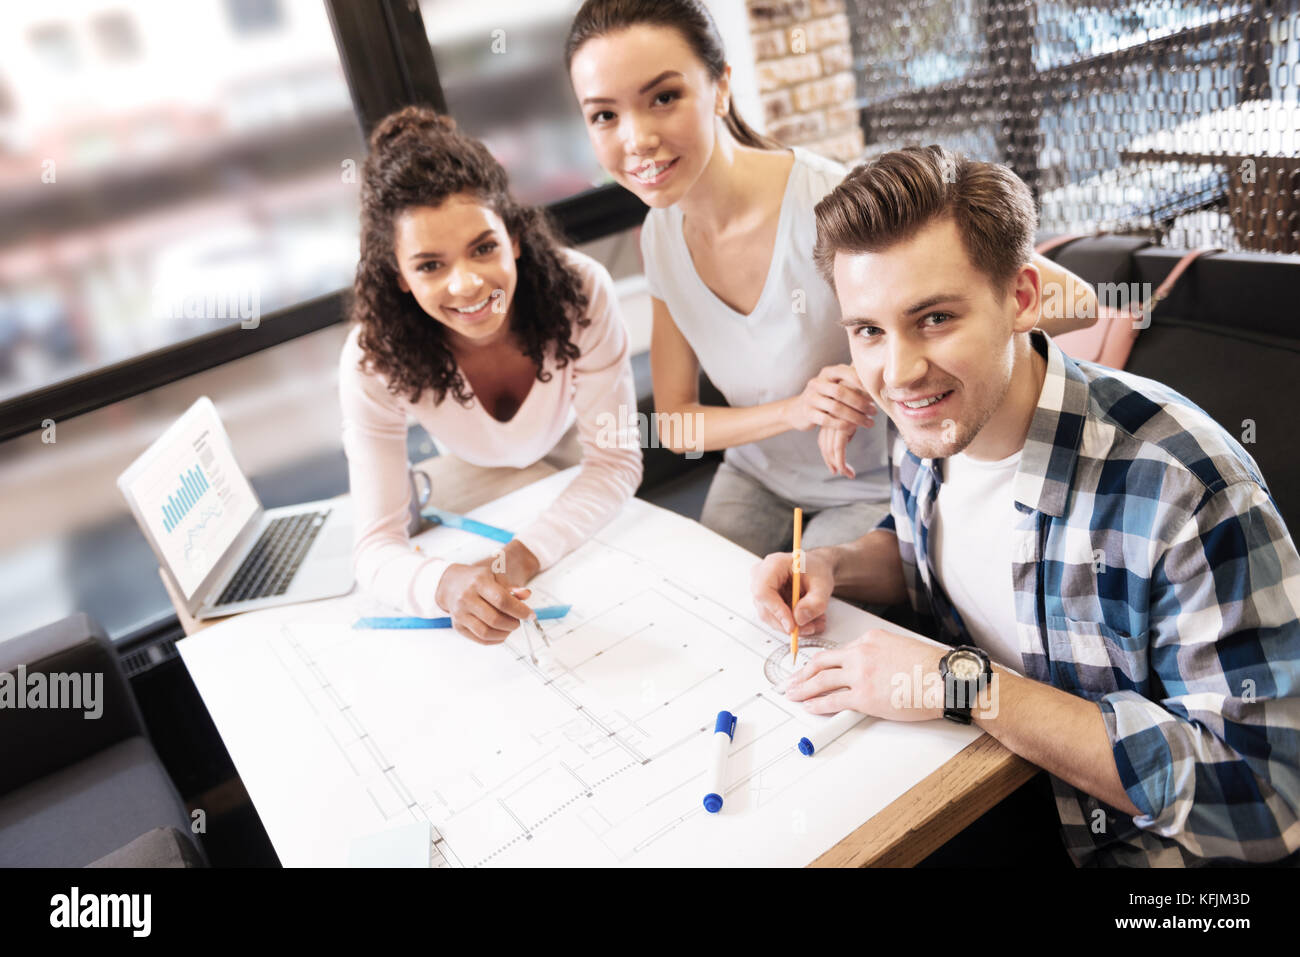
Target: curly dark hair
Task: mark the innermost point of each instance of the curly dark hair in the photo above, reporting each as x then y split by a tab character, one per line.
418	158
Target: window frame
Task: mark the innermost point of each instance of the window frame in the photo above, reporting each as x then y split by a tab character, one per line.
387	63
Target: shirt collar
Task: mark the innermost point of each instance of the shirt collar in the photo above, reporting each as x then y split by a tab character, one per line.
1051	450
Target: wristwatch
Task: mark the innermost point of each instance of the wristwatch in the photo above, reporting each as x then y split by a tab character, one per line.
966	671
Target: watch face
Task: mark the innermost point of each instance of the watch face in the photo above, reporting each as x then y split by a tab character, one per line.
964	665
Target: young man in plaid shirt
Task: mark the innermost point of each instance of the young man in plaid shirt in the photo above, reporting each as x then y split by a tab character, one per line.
1106	545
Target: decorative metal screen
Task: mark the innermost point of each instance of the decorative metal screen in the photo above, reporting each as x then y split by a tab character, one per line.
1176	120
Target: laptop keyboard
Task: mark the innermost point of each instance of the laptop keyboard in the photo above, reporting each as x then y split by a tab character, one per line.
273	561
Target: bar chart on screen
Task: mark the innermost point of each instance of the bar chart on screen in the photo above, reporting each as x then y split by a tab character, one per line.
192	485
194	508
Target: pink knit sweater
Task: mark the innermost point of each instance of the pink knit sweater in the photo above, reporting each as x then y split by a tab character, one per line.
593	386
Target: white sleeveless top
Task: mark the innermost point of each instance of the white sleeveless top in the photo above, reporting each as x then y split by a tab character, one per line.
771	353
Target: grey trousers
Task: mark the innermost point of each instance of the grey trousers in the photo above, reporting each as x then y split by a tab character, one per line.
746	512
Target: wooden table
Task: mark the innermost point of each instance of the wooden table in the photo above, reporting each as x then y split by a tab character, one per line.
903	834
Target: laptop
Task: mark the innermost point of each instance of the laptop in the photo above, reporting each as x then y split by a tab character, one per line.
222	550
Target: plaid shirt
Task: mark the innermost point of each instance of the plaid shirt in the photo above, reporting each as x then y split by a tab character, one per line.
1154	576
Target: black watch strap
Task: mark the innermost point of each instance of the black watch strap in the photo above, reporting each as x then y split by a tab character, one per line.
961	694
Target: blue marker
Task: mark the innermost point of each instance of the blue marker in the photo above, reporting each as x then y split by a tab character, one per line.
828	731
724	730
551	611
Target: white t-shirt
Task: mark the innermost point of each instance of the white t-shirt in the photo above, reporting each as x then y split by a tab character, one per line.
771	353
972	543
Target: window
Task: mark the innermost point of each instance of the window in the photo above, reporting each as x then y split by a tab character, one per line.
200	186
501	66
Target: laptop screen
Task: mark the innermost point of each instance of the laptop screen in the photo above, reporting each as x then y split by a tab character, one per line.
192	495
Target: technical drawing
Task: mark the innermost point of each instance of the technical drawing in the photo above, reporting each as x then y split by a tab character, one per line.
594	756
619	707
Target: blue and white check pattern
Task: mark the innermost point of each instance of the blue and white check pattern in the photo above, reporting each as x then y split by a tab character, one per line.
1153	575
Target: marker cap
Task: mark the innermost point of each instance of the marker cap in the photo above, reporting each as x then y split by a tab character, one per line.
726	722
713	803
805	746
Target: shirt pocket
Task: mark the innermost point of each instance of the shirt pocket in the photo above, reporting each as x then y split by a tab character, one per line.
1092	659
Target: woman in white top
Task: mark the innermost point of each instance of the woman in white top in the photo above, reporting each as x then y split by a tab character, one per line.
472	319
727	248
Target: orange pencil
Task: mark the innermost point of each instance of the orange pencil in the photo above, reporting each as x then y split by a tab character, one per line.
794	585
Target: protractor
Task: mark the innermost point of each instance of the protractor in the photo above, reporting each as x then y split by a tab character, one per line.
779	666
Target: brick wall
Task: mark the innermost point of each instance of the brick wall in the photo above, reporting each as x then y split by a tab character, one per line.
804	65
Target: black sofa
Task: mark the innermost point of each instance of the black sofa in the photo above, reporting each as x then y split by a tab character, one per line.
80	792
1228	338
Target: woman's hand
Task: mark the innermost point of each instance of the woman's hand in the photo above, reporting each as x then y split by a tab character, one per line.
482	605
514	564
833	441
835	399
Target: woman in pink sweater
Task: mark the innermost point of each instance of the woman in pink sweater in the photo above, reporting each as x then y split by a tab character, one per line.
470	317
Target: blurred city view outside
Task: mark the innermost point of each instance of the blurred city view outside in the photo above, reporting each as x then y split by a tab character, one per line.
168	169
165	169
501	66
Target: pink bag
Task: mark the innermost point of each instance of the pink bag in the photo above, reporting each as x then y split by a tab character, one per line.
1110	339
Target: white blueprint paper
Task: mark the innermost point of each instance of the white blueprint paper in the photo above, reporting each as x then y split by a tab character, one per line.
594	756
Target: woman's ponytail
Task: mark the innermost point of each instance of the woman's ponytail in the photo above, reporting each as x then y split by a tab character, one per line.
745	134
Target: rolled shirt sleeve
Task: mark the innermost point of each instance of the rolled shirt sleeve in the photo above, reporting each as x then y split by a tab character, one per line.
1215	763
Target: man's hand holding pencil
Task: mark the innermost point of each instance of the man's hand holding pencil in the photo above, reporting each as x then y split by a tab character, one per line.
771	582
